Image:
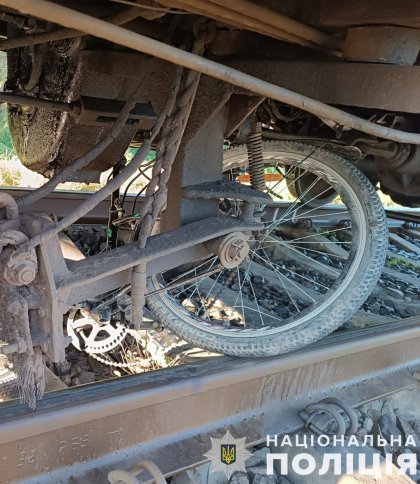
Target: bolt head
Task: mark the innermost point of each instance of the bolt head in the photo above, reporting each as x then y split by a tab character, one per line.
26	275
23	273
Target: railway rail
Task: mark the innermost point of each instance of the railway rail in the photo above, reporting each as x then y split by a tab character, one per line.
64	202
79	435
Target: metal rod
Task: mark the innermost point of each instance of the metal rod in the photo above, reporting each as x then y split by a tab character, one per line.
112	230
37	103
235	19
99	28
281	22
120	18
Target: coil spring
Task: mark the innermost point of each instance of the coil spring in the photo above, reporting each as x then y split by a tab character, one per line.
255	157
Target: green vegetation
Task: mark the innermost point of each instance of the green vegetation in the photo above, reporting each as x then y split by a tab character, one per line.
10	178
6	146
397	262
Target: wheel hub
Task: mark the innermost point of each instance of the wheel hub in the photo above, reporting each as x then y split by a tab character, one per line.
233	249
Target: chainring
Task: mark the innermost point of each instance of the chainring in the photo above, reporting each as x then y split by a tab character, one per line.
92	336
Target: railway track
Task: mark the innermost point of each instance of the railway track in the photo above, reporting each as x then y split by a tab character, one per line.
168	415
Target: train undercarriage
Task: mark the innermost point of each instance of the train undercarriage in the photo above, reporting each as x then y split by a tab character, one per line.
274	125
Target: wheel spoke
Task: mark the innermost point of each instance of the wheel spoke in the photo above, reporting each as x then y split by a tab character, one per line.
256	302
319	252
240	293
295	249
282	219
288	211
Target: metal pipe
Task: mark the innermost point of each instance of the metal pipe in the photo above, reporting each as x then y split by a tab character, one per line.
225	15
120	18
10	98
281	22
99	28
256	18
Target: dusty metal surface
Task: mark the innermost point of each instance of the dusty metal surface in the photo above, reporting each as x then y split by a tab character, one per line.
168	415
388	45
376	86
249	16
331	15
162	252
44	139
61	203
200	158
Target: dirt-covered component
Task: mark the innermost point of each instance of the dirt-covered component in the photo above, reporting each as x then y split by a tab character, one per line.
18	269
231	328
45	140
26	362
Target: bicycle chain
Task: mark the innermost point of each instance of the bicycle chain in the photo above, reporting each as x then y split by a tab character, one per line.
115	364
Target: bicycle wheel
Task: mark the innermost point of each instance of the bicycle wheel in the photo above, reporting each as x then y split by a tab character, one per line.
306	272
